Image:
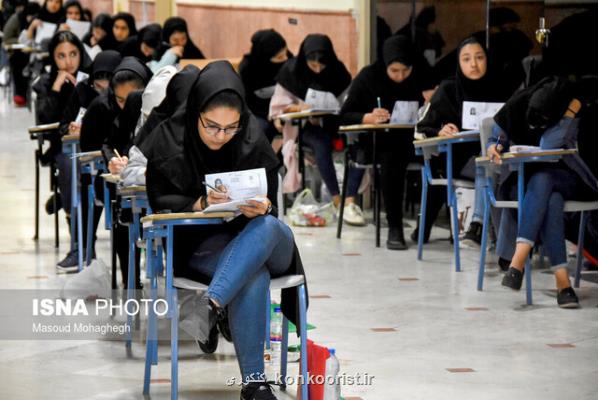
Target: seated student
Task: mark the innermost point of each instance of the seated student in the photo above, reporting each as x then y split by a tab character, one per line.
54	90
144	44
215	132
258	71
85	92
176	34
72	10
315	72
101	33
545	114
474	81
400	76
18	60
123	28
51	12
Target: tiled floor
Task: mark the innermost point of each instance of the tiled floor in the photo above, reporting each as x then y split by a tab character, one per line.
419	329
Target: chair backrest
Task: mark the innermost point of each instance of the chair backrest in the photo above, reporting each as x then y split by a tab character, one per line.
485	133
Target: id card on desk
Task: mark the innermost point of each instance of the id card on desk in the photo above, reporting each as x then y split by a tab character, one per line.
474	112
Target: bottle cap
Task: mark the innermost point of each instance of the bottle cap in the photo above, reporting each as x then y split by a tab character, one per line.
276	309
332	352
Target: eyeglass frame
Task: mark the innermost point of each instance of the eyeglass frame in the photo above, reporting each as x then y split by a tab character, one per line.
224	130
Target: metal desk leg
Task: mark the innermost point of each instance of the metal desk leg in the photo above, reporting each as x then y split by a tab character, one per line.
452	202
301	155
73	196
377	202
90	218
339	223
171	294
484	243
38	153
422	211
54	181
528	264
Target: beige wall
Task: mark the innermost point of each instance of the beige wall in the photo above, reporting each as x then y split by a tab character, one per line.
331	5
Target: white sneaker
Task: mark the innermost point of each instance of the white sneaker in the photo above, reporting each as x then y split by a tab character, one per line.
353	215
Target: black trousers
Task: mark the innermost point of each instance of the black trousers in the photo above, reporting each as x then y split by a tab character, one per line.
18	61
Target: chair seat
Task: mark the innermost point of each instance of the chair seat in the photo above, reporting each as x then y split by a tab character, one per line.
282	282
574	206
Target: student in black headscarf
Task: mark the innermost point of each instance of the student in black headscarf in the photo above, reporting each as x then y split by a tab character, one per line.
101	33
85	92
474	81
216	133
123	28
176	34
258	72
401	75
548	115
315	72
18	60
144	44
428	41
51	12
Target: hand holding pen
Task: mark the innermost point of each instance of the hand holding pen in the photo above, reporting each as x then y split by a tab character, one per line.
495	150
117	164
217	195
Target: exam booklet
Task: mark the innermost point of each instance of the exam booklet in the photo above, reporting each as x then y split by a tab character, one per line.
251	184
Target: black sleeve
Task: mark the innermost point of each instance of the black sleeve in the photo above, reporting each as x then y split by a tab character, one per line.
96	125
357	104
440	112
47	104
272	177
163	195
70	113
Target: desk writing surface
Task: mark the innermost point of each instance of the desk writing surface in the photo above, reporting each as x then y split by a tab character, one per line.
185	215
70	138
131	190
534	154
44	128
111	178
90	156
444	139
304	114
373	127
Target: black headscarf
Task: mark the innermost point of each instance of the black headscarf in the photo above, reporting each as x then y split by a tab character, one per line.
527	115
74	3
134	65
129	20
105	22
296	77
31	9
398	48
178	24
46	16
177	92
257	71
105	62
150	34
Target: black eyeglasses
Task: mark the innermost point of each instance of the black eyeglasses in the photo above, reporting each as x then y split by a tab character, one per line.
213	130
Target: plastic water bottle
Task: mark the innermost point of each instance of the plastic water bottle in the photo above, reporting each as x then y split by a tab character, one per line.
275	335
332	387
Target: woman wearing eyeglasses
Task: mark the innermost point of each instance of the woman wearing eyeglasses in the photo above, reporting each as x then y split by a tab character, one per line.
214	133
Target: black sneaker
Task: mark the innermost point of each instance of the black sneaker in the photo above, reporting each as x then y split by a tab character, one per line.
513	279
473	236
70	263
50	204
504	264
257	391
567	298
396	239
212	343
223	325
415	233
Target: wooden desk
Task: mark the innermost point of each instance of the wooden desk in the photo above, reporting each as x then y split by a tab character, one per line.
44	128
373	127
305	114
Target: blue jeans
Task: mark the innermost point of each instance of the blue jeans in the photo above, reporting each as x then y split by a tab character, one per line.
240	267
542	215
317	139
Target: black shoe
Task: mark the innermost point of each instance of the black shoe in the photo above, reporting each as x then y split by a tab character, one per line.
212	344
50	204
201	319
257	391
567	298
223	326
473	236
396	239
70	263
415	233
504	264
513	279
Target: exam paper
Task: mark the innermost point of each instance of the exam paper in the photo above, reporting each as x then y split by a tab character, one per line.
404	112
474	112
322	101
44	31
251	184
79	28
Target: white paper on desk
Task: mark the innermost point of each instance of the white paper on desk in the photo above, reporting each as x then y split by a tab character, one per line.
79	28
321	100
474	112
81	76
44	31
525	149
241	186
404	112
92	52
265	92
80	115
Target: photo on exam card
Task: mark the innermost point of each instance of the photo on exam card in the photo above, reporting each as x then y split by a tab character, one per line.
475	112
404	112
241	184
